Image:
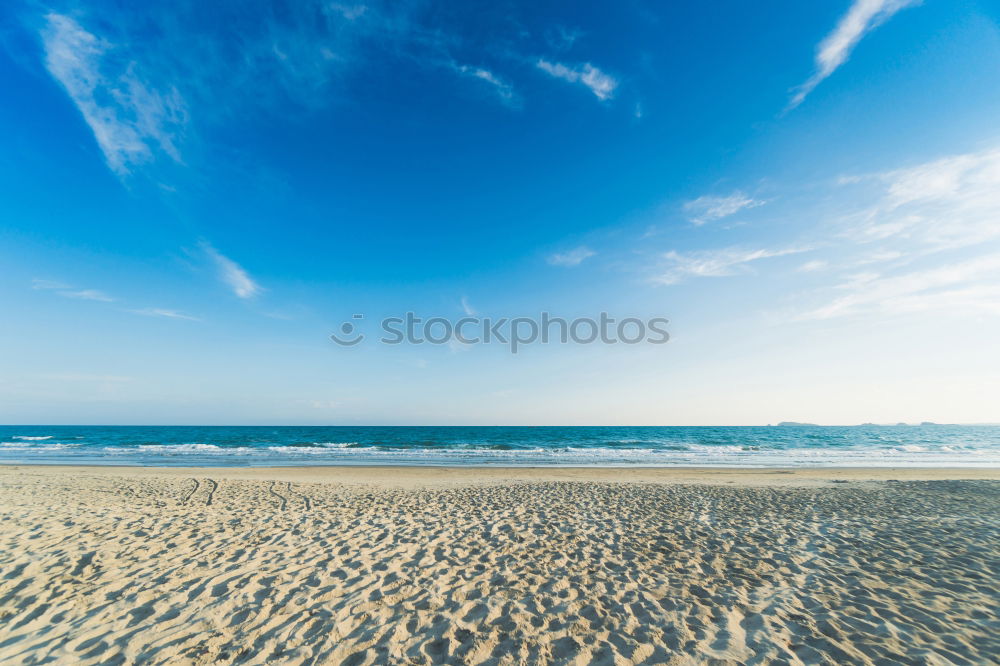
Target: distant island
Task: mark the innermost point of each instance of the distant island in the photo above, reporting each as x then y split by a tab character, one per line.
901	423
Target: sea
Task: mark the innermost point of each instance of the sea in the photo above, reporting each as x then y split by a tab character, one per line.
798	445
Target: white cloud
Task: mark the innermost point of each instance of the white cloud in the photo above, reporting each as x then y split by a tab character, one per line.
69	291
97	295
921	214
972	285
862	17
602	85
502	89
917	239
88	295
561	38
467	308
232	273
939	205
714	263
38	283
813	266
160	312
129	120
293	56
349	12
571	257
135	78
710	208
880	257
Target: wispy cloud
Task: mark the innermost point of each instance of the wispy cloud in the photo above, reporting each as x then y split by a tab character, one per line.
88	295
137	79
862	17
502	89
467	308
560	38
880	257
39	283
601	84
714	263
972	285
943	204
232	273
160	312
940	216
69	291
130	120
710	208
813	266
572	257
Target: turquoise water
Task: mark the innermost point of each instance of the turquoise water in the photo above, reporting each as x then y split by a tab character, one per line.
764	446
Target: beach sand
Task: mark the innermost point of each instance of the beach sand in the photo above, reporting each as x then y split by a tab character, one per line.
498	566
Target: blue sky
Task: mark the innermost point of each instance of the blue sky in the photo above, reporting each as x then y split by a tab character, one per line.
195	196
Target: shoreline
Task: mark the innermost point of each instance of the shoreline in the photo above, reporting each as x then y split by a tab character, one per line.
432	475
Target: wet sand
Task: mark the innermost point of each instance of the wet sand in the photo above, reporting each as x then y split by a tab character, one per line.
103	565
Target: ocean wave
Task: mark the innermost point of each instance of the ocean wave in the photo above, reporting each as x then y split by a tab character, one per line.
8	447
192	446
314	450
723	448
720	447
170	449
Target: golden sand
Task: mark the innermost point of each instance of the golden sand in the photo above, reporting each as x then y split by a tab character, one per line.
498	566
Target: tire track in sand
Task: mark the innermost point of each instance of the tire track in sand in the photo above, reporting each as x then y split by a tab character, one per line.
283	501
197	484
211	491
305	498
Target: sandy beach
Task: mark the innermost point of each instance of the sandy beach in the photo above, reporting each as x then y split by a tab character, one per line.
103	565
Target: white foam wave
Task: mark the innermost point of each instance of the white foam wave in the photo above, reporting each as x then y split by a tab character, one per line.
194	446
7	447
894	453
31	438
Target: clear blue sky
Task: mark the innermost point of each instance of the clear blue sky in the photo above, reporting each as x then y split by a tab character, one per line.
195	195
